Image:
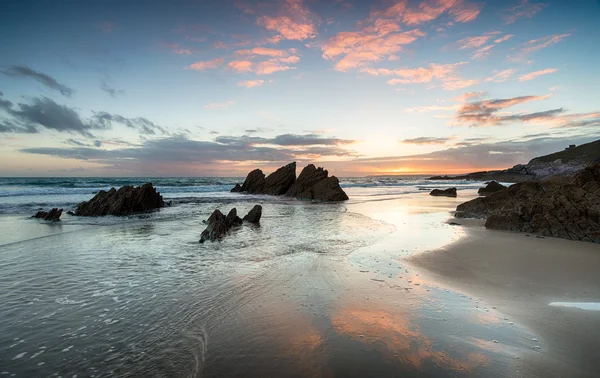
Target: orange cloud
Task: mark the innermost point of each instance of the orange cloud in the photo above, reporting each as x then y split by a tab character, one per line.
474	42
271	66
542	43
533	75
251	83
500	76
206	65
263	51
483	52
429	10
504	39
241	65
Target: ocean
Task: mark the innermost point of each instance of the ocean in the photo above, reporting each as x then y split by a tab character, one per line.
315	290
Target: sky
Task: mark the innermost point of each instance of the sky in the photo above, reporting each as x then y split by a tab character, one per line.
218	88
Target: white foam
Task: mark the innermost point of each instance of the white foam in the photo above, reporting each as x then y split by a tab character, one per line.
20	355
67	301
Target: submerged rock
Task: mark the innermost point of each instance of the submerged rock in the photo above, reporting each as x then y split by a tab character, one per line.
254	215
236	189
491	187
125	201
565	207
312	184
52	215
450	192
219	225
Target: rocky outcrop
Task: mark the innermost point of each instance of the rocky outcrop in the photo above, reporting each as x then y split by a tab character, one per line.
254	215
491	187
312	184
450	192
255	182
280	181
219	225
52	215
236	189
564	207
125	201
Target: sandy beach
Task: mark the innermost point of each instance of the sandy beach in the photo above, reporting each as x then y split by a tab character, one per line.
521	275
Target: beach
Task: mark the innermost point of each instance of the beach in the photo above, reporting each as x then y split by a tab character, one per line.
381	285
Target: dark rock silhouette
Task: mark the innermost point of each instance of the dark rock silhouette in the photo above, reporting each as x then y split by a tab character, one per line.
255	182
450	192
562	206
52	215
237	189
219	225
125	201
312	184
491	187
254	215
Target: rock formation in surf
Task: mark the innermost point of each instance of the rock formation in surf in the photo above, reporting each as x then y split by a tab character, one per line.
491	187
52	215
219	225
563	206
450	192
312	184
125	201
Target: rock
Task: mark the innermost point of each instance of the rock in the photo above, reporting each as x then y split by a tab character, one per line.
308	178
237	189
254	215
52	215
125	201
491	187
216	227
312	184
70	212
280	181
450	192
219	225
562	206
328	190
254	183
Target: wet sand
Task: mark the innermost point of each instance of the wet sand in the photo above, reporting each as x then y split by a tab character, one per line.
520	275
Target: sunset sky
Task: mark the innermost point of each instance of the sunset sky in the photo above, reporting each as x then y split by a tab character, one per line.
217	88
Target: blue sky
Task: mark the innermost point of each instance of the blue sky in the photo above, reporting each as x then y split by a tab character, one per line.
114	88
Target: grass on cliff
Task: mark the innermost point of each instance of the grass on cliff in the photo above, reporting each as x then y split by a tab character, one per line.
588	152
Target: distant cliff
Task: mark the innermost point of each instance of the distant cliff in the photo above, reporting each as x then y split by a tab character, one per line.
566	162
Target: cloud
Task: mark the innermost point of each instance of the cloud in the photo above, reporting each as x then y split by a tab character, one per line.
206	65
504	39
475	42
533	75
469	96
430	108
241	65
500	76
266	67
429	10
75	142
358	49
111	91
538	44
104	120
46	80
446	74
176	48
219	105
295	22
426	140
524	10
178	154
251	83
478	42
264	51
483	52
491	112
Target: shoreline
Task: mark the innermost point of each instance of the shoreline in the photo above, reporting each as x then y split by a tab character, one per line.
521	275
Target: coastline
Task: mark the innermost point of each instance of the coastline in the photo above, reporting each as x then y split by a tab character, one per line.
521	275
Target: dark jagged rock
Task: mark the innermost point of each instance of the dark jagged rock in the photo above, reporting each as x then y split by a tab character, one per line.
236	189
52	215
278	182
308	178
328	190
312	184
219	225
125	201
491	187
564	207
254	215
450	192
254	183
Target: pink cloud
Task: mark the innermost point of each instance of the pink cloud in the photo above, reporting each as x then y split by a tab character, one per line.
533	75
474	42
360	48
271	66
295	22
206	65
542	43
428	10
483	52
524	10
241	65
504	39
251	83
454	84
500	76
263	51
